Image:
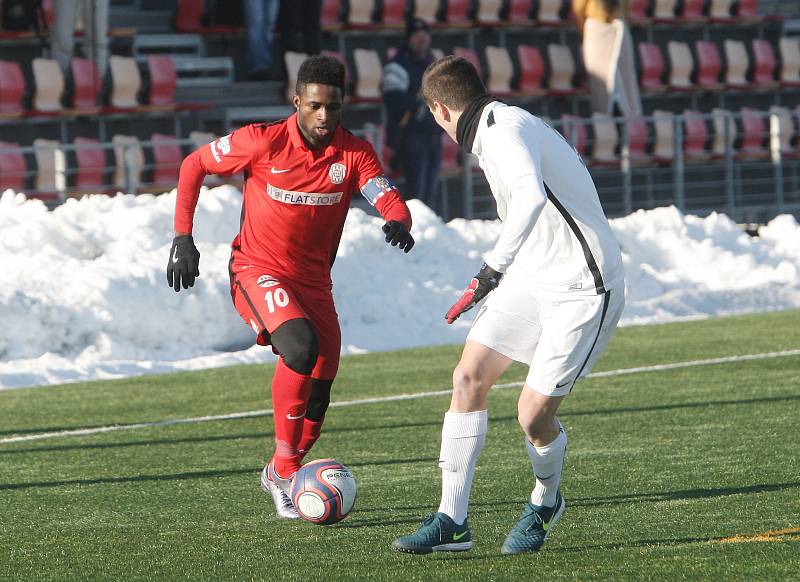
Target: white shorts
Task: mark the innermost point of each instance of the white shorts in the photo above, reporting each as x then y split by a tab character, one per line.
561	340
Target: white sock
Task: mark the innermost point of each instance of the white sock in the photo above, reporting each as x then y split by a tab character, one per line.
548	462
463	437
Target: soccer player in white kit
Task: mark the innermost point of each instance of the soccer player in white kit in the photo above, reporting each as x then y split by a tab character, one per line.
557	292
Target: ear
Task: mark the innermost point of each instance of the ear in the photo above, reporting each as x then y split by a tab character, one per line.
296	101
442	110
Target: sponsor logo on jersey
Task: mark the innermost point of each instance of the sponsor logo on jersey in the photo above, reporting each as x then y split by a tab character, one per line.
221	147
266	281
337	173
304	198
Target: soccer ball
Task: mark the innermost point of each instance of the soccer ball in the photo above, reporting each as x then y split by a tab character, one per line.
323	491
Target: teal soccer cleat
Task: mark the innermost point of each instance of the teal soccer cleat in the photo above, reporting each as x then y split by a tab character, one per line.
532	529
438	533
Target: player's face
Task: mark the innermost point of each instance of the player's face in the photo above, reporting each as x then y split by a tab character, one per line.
319	111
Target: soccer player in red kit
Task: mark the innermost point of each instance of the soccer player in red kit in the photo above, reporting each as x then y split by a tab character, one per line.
300	174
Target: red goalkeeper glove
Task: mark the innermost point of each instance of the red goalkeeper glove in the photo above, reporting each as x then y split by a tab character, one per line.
480	286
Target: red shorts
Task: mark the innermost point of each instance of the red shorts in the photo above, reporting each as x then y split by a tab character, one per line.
265	301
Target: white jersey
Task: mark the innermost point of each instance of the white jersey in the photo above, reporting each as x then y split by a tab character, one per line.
554	231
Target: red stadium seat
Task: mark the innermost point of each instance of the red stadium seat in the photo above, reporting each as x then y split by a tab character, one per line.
574	130
693	10
189	15
652	65
167	158
91	160
637	140
764	63
12	87
695	134
709	64
331	13
162	80
471	56
531	67
13	169
458	12
520	12
394	13
637	11
85	83
754	130
748	9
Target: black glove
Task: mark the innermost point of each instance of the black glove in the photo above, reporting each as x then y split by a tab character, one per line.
184	261
398	236
480	286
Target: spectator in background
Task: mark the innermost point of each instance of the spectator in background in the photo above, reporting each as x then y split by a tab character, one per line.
301	30
608	55
411	130
260	16
95	29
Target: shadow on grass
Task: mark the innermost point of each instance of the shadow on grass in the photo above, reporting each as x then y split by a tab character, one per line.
183	476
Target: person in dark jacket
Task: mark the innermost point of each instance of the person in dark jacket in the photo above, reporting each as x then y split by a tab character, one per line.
412	133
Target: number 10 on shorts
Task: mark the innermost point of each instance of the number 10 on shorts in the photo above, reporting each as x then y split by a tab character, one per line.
277	297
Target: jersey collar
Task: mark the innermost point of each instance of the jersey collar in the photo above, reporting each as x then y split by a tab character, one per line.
299	143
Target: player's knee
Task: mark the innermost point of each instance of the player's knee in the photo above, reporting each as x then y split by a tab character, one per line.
535	422
319	400
297	343
466	380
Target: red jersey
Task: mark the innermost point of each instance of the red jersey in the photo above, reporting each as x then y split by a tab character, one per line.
295	200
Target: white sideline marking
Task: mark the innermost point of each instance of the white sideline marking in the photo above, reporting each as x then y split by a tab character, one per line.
377	399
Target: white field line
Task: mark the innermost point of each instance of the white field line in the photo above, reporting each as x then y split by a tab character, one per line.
378	399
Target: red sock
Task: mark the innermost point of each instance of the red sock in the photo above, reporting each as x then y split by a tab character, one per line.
290	393
311	430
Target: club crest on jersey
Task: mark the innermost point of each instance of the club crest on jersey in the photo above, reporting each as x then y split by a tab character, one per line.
337	173
266	281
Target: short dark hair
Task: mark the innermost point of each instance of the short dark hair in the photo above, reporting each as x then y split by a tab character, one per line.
321	70
452	81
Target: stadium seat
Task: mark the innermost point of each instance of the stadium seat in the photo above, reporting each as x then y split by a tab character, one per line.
764	64
737	64
167	158
638	139
747	9
501	70
562	70
85	83
488	12
128	156
331	15
695	135
91	158
664	143
709	65
423	10
550	13
189	15
49	86
723	119
786	129
531	70
664	10
471	56
360	13
126	81
50	165
637	12
394	13
12	88
13	169
692	10
720	10
450	156
163	79
368	74
574	130
459	13
292	60
520	12
790	61
606	138
754	132
652	68
681	66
